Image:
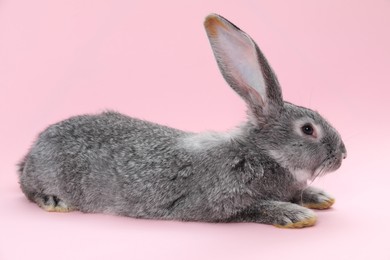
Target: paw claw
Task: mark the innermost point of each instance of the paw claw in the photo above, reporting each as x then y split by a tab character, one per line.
56	209
308	222
324	204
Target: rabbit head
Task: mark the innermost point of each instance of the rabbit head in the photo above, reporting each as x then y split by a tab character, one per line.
298	138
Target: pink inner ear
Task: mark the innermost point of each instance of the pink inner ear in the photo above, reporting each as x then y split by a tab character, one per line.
237	57
255	96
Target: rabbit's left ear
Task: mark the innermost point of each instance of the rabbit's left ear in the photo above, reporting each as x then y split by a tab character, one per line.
244	67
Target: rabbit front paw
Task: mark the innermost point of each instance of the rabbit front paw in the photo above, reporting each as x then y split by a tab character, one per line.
315	198
295	216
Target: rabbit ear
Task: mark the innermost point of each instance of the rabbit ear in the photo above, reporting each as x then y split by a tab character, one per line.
244	67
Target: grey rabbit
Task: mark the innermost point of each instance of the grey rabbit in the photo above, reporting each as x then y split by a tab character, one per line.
258	172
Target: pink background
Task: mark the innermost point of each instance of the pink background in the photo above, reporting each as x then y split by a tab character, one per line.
152	60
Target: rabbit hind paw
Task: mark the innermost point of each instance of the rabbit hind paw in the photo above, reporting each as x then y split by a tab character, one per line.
53	204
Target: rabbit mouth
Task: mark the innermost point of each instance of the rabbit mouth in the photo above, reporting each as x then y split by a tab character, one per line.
330	164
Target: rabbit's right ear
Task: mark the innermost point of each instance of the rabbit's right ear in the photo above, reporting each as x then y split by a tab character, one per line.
244	67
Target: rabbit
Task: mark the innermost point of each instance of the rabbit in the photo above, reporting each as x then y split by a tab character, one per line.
258	172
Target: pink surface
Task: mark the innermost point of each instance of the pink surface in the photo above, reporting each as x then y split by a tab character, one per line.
152	60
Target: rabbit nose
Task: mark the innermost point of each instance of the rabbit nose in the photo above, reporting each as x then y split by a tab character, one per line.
344	155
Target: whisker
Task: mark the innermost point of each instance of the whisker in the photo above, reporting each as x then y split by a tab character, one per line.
354	135
318	173
311	182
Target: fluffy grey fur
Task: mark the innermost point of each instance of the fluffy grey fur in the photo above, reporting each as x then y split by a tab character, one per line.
116	164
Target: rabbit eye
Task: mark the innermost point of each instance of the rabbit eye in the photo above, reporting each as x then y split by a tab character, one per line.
307	129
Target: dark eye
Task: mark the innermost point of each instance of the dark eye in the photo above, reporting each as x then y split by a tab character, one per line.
307	129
